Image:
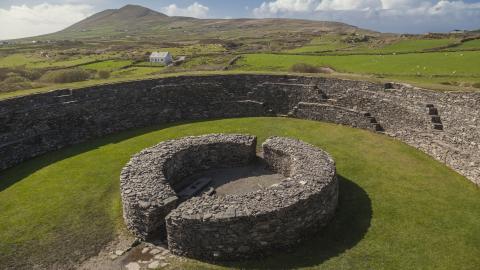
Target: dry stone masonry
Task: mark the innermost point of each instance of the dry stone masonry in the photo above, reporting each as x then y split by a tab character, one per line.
151	180
443	125
232	226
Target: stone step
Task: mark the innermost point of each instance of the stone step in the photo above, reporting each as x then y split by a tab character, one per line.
377	127
194	188
432	111
436	119
438	126
372	119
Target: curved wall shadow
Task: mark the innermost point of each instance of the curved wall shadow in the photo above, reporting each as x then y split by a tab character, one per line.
22	170
348	227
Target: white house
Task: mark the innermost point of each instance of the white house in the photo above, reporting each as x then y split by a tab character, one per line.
161	57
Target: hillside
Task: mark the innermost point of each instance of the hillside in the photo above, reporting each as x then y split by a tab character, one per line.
137	21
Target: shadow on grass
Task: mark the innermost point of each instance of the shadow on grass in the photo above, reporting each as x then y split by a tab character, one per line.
345	230
12	175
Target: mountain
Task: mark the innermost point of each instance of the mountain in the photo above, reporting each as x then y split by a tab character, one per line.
137	21
125	17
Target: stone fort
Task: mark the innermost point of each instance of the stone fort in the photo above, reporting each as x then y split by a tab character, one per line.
443	125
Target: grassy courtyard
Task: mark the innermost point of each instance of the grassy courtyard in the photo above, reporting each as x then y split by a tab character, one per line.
398	209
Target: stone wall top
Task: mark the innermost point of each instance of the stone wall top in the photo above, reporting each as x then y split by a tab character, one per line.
248	225
307	168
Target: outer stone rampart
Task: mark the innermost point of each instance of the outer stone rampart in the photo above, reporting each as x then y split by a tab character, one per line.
443	125
251	225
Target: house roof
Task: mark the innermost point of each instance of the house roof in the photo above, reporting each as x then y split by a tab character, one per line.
159	54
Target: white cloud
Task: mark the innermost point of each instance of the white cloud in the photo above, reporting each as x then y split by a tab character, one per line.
194	10
349	5
24	21
413	16
268	9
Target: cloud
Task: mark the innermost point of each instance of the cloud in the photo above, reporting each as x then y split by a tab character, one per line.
414	16
24	21
194	10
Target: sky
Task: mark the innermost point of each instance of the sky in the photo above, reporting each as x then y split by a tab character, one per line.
23	18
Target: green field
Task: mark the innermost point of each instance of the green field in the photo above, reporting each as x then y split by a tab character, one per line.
459	63
15	60
65	205
136	72
422	67
109	65
193	49
470	45
318	48
415	45
400	46
437	63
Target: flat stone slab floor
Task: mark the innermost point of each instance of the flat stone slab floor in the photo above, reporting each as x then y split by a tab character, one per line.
240	180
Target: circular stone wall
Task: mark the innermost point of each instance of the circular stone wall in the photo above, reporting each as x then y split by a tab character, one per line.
231	226
234	227
152	178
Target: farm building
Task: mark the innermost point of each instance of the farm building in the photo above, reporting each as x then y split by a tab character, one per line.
161	57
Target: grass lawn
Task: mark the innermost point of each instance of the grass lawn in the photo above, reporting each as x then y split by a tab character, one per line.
134	72
419	67
415	45
459	63
34	61
192	49
15	60
109	65
470	45
318	48
399	208
401	46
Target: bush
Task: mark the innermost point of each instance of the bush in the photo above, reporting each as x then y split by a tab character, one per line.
10	87
15	79
66	76
104	74
32	75
305	68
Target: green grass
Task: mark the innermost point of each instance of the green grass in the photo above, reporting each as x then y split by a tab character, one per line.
318	48
415	45
192	49
421	64
109	65
34	61
470	45
325	44
133	72
69	62
15	60
401	211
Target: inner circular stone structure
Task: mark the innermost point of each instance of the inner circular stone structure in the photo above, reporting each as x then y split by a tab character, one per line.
232	226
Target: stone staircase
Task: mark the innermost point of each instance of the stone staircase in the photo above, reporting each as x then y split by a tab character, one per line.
435	117
336	114
373	121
